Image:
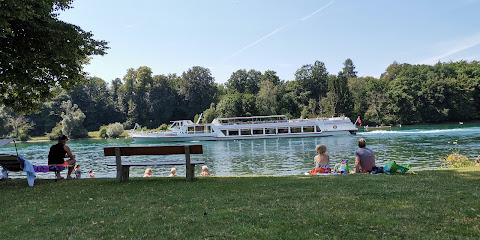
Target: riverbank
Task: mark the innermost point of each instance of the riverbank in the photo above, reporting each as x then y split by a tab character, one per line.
439	204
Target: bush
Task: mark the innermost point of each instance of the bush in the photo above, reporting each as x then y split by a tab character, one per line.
102	132
56	132
457	160
114	130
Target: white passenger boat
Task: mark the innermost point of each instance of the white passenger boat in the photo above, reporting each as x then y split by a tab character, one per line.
242	128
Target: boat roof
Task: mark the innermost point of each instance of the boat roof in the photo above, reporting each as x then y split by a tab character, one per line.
253	117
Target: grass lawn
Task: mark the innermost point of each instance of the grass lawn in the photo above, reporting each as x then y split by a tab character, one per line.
433	204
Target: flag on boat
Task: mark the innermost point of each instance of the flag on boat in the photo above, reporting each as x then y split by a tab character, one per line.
359	121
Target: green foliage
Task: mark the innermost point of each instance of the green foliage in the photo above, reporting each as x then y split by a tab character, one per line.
196	89
313	80
72	121
209	114
114	130
93	97
56	132
230	105
40	52
102	131
267	101
404	94
162	127
23	132
242	81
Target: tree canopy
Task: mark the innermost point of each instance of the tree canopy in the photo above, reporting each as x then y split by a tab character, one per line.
39	52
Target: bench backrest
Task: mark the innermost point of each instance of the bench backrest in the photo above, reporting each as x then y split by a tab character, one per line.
153	150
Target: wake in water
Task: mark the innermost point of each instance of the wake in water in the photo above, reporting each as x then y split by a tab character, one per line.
455	131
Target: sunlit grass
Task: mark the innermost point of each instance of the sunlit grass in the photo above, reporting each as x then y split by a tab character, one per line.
440	204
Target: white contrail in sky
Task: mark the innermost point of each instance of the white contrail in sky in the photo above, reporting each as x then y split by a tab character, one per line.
276	31
319	10
464	45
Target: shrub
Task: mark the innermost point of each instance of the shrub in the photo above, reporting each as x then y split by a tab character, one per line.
56	132
457	160
102	132
114	130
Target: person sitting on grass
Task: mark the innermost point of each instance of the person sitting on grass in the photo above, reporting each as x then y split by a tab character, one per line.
57	154
172	172
364	158
321	161
148	172
91	173
204	171
78	173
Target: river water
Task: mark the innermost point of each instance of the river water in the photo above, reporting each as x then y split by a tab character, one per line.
420	146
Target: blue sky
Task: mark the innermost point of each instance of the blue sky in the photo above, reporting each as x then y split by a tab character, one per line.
280	35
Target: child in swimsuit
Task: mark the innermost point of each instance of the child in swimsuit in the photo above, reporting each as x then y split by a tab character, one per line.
148	172
322	160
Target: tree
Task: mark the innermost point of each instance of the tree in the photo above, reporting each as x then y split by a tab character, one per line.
93	98
163	100
349	69
244	82
230	105
270	76
358	90
39	52
114	130
197	90
313	79
267	98
72	121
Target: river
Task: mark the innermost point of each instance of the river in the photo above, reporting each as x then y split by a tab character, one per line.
421	146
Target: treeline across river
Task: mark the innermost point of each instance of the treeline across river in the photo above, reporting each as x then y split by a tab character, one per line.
404	94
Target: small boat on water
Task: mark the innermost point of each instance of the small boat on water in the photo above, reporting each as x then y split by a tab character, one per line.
242	128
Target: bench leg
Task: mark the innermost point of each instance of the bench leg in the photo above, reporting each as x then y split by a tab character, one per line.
190	172
125	173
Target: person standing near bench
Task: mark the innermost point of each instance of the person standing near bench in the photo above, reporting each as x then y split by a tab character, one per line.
57	154
364	157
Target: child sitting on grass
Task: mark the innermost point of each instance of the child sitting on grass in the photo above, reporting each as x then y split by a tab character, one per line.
91	173
78	173
204	171
148	172
172	172
321	161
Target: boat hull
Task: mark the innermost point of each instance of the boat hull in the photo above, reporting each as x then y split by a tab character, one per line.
231	138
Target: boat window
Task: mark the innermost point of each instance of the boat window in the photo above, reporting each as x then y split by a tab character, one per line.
258	131
199	129
318	129
224	132
208	129
308	129
233	132
296	130
246	132
191	129
270	131
282	130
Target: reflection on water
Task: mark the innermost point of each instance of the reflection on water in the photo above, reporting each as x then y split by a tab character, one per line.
420	146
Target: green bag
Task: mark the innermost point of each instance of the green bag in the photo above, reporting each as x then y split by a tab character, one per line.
392	167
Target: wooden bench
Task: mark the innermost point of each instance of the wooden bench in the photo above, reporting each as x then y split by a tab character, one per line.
123	168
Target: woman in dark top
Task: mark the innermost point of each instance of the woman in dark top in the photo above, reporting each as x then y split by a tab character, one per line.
57	154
